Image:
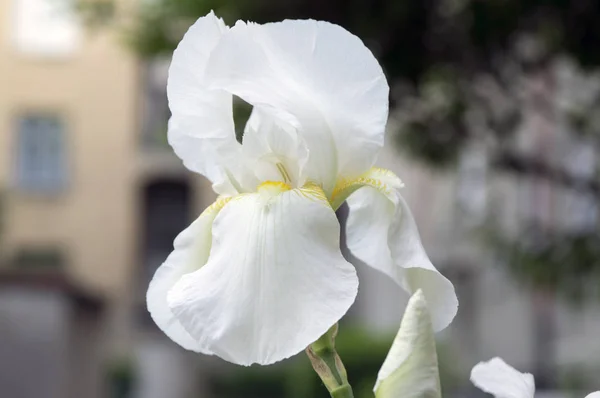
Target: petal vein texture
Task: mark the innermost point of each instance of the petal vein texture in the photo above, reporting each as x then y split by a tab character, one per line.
382	233
318	75
191	249
201	128
275	280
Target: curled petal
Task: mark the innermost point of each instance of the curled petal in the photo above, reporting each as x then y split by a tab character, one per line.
201	129
318	74
191	248
382	233
410	369
275	280
502	380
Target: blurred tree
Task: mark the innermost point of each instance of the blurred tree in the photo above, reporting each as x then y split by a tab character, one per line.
567	261
460	71
121	377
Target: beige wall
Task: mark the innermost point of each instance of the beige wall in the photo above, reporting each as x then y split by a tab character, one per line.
95	90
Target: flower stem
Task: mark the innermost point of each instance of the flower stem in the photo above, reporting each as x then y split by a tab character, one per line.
344	391
328	365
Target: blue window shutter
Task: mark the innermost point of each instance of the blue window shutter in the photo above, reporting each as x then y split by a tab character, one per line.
41	155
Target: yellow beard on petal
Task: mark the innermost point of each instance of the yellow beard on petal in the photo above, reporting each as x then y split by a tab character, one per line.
270	189
273	188
383	180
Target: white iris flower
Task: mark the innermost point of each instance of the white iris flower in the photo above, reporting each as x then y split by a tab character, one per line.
259	275
501	380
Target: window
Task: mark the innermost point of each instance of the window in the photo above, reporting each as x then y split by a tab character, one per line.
472	192
41	158
581	206
45	257
166	212
46	27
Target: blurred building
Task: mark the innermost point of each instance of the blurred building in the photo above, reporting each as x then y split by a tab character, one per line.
91	201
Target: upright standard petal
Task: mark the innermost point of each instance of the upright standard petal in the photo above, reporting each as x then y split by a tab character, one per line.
274	147
191	252
501	380
410	369
594	395
275	280
382	233
201	129
321	75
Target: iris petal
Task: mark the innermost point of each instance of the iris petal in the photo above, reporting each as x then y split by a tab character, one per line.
274	147
191	249
382	233
501	380
201	128
275	280
318	74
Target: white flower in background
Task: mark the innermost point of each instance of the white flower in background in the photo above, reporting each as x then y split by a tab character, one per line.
501	380
410	369
259	275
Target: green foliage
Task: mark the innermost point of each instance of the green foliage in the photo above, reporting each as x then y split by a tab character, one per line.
414	40
121	377
96	12
566	262
241	114
409	37
362	354
435	141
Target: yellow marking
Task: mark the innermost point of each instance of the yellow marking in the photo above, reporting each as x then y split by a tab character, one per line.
343	185
376	178
310	190
273	187
218	204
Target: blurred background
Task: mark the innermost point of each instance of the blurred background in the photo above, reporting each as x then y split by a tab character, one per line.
494	128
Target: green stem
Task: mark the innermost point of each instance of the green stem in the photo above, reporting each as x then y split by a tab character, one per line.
344	391
328	365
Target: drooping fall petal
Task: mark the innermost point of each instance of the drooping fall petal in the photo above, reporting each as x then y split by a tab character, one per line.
382	233
275	280
191	249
